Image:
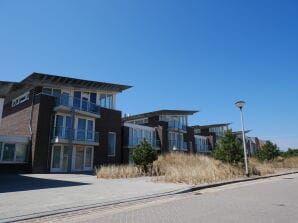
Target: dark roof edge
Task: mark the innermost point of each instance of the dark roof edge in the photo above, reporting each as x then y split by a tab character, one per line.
36	74
212	125
159	112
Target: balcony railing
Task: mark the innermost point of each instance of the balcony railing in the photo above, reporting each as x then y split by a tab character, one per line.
176	125
77	103
177	145
203	148
64	133
137	141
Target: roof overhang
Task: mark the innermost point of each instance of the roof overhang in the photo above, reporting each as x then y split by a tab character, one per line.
40	79
210	126
159	112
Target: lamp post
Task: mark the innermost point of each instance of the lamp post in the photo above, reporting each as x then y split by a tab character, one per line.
240	105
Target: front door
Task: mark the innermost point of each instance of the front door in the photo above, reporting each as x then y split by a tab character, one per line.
61	158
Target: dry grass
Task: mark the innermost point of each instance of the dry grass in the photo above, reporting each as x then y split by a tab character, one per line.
259	168
264	168
118	171
193	169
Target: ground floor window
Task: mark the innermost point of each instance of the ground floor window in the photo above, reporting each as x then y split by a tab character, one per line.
61	158
13	152
112	144
83	158
67	159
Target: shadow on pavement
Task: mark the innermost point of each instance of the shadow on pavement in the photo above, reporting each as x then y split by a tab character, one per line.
15	182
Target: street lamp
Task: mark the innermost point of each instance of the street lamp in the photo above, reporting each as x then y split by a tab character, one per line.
240	105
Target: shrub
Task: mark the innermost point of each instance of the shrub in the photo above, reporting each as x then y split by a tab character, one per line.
144	155
229	149
290	153
268	152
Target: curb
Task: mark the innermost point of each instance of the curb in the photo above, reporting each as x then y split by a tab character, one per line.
196	188
134	199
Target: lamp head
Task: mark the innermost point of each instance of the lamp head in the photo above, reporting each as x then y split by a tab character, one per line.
240	104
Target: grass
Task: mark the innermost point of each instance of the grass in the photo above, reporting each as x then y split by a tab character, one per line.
195	169
118	171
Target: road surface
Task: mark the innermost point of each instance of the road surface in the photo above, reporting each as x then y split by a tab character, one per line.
269	200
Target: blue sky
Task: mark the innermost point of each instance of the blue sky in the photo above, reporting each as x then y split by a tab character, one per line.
197	55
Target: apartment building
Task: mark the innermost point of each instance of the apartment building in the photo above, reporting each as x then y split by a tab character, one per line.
166	130
207	136
59	124
252	143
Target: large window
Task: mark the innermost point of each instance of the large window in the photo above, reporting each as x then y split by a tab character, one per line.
61	158
174	121
176	141
13	152
83	158
201	144
112	144
138	134
106	100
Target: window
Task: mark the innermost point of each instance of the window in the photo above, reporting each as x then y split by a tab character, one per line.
12	152
20	99
20	153
47	91
60	158
51	91
111	144
88	157
106	100
8	152
83	158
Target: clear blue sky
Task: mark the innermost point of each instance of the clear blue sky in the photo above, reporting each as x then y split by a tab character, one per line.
201	55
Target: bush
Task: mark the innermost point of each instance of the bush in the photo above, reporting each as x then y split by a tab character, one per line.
229	149
268	152
290	153
144	155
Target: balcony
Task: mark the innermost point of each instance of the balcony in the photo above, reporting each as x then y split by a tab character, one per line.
176	126
137	141
74	136
203	148
84	107
177	145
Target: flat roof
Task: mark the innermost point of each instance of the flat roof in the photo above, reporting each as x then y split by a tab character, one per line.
210	126
240	132
41	79
159	112
6	86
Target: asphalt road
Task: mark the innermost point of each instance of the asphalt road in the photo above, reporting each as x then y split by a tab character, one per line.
269	200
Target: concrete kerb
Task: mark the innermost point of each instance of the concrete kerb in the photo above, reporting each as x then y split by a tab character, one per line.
135	199
201	187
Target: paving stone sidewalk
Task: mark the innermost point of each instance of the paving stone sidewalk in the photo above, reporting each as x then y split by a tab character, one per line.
23	196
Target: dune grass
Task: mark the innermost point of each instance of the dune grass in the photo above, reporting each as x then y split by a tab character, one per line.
118	171
195	169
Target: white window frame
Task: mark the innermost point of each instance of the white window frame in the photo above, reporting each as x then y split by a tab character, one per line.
18	100
74	153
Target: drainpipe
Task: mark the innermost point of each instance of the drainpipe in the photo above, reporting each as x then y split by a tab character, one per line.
30	129
1	108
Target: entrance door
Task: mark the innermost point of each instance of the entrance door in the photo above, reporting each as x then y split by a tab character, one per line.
83	158
61	158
